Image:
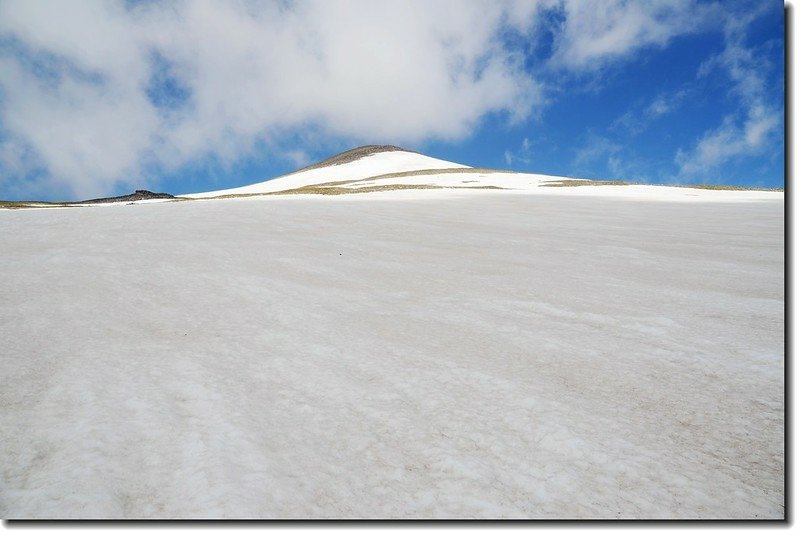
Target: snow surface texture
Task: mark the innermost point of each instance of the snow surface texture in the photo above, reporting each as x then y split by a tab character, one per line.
480	355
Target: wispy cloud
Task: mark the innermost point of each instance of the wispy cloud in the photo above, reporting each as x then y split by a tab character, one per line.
734	138
614	158
595	148
638	118
299	158
757	121
664	104
522	154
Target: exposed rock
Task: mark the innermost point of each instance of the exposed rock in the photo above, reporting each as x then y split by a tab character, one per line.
354	154
138	195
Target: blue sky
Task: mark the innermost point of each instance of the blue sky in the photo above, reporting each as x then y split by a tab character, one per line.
101	97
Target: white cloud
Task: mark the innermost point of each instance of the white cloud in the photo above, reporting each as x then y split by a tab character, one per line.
75	77
596	32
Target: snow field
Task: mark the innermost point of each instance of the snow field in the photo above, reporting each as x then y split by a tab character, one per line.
471	356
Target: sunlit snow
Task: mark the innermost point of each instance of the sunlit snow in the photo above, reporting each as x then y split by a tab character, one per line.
402	354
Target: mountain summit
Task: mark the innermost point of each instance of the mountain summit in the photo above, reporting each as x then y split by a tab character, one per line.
353	167
354	154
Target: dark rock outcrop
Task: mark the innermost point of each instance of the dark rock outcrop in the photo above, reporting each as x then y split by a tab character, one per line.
138	195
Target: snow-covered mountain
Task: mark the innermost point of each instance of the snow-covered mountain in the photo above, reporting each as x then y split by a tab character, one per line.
374	168
355	167
391	170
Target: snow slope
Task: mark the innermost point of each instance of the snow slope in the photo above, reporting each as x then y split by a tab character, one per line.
457	356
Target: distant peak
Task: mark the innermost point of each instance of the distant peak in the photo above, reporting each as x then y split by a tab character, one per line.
354	154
